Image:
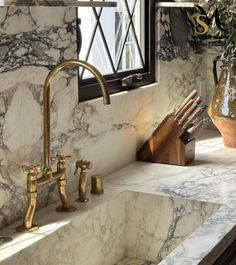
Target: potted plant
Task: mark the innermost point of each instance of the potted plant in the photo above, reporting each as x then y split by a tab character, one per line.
222	108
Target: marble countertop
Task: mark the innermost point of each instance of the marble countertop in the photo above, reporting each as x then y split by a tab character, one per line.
210	178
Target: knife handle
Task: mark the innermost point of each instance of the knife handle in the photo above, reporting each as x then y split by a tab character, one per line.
191	96
195	114
188	113
198	100
184	109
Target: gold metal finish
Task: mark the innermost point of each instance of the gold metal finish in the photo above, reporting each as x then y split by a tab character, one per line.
83	165
48	175
32	172
97	185
33	183
34	169
46	97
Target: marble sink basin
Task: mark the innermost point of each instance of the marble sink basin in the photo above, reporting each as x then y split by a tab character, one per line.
132	228
155	225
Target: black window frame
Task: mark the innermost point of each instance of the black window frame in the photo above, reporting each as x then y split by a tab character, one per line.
89	88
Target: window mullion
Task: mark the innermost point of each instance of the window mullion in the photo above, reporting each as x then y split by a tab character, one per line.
93	37
131	24
127	6
123	46
135	35
137	43
105	43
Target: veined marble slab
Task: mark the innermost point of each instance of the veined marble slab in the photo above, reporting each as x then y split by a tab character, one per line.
72	3
146	227
210	178
156	225
33	39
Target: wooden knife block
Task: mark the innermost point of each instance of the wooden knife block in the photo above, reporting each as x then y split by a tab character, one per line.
168	144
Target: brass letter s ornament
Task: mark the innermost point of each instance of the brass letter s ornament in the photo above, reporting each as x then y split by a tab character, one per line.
202	24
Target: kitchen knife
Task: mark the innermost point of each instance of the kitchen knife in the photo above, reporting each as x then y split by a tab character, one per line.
199	127
190	110
195	114
198	100
191	96
191	125
184	109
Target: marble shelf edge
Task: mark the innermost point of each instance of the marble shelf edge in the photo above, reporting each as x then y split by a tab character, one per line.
57	3
176	4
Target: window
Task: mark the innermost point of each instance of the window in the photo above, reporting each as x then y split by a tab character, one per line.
120	42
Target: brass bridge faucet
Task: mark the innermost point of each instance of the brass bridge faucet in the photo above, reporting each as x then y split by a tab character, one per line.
33	182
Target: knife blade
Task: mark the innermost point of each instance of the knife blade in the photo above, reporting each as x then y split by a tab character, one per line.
194	115
192	95
199	127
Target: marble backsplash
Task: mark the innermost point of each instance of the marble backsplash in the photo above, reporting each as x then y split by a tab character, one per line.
32	41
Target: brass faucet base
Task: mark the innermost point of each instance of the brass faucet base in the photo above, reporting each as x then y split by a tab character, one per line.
84	200
60	209
21	228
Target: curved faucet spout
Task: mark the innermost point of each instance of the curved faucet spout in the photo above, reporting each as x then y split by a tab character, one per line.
46	97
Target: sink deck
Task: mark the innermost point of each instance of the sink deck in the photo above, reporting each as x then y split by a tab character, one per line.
209	180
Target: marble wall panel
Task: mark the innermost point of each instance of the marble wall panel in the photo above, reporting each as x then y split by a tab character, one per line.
32	41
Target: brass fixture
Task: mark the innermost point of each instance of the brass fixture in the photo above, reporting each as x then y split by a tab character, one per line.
83	165
97	185
131	79
32	172
48	175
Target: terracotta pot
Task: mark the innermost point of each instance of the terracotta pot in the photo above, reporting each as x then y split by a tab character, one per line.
227	129
222	108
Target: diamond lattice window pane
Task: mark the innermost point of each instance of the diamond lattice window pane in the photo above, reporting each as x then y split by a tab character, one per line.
114	22
130	58
113	38
139	24
98	56
87	26
131	4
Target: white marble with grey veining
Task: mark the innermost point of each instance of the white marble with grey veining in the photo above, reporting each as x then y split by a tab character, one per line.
156	225
58	3
33	39
145	210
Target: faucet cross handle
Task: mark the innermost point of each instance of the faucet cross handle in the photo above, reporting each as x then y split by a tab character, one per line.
32	169
84	164
60	158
